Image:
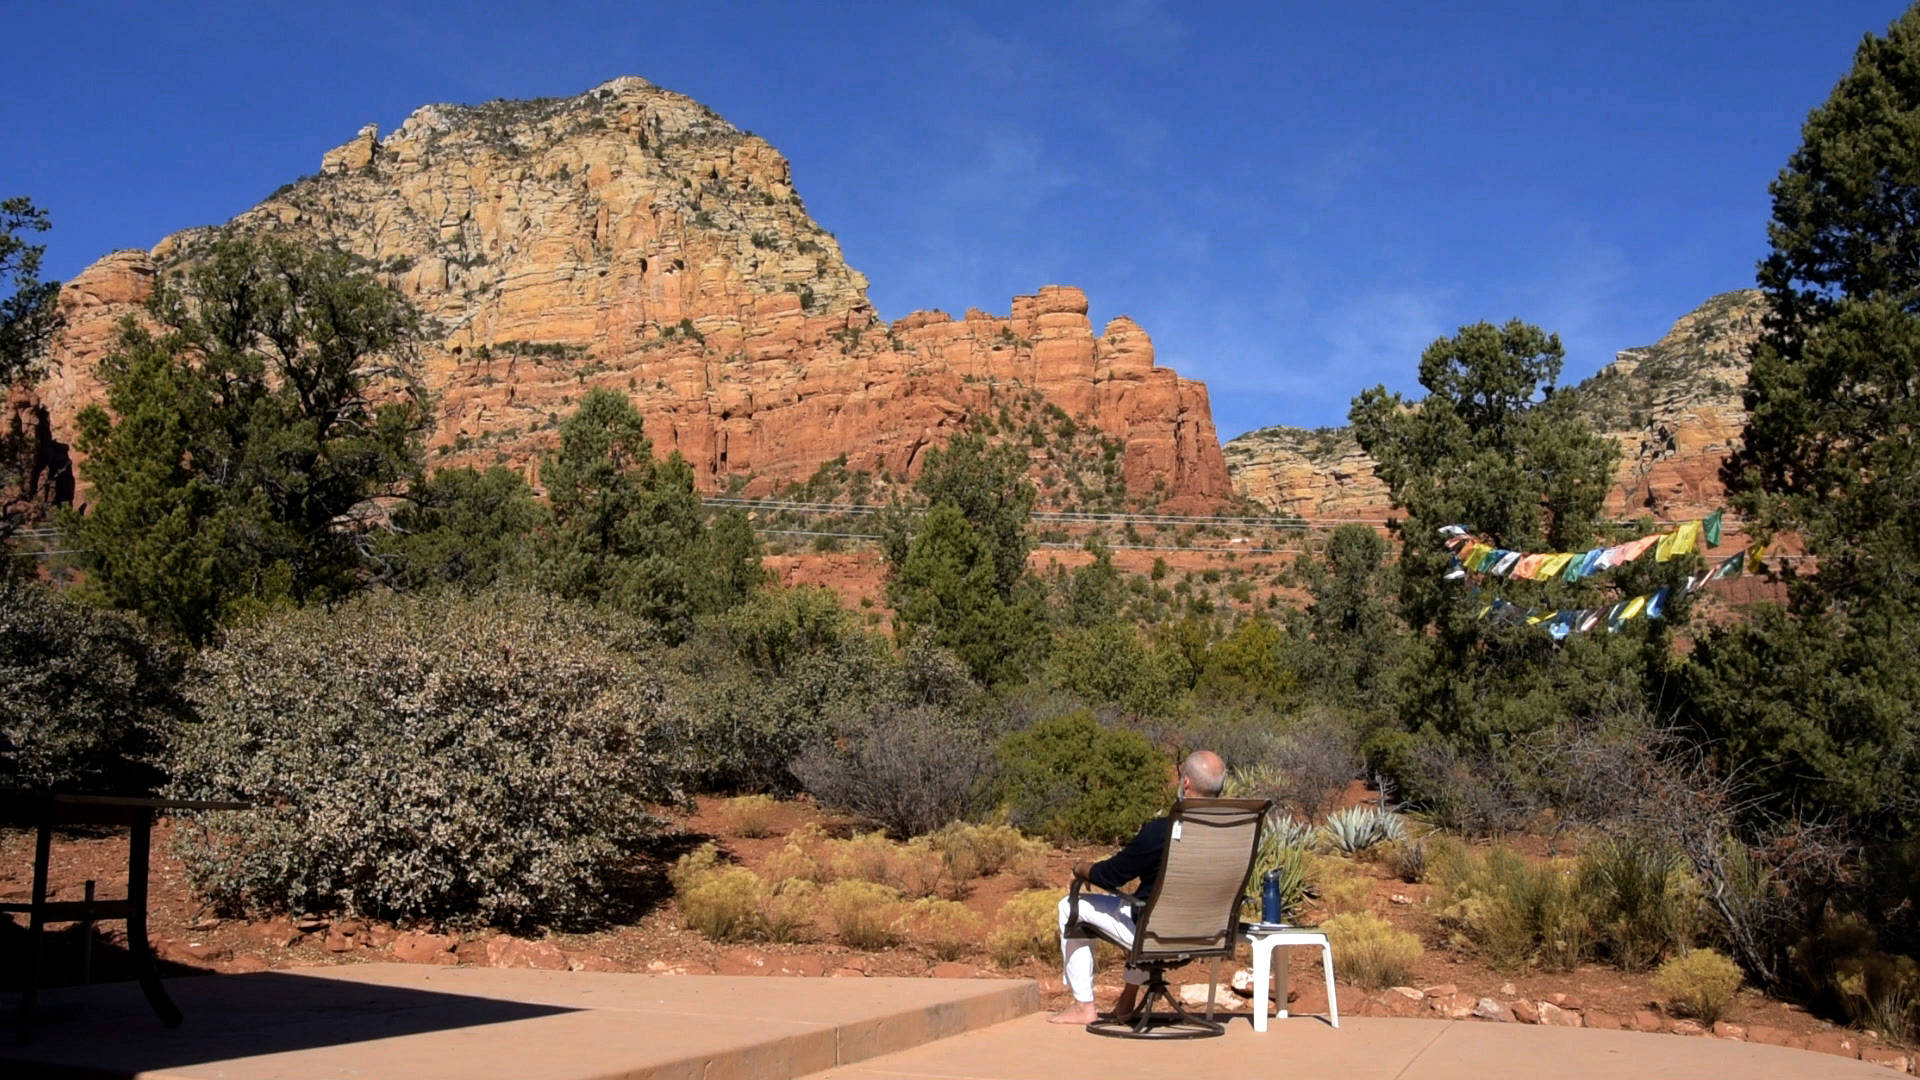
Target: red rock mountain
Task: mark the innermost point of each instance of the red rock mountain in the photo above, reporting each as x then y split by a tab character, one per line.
630	238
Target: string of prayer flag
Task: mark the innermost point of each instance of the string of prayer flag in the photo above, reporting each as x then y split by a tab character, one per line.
1474	556
1651	605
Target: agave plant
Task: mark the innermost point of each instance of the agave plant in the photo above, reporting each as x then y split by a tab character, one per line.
1357	828
1284	829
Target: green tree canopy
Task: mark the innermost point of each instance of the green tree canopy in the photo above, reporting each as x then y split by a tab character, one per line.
989	486
947	589
463	528
1355	638
1491	446
1818	710
28	315
629	530
275	397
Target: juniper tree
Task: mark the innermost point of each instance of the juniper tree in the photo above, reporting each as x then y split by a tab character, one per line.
1492	446
274	395
1816	704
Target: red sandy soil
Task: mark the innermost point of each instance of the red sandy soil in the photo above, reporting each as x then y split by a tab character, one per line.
192	939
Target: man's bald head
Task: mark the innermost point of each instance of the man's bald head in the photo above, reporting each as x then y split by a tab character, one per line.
1205	773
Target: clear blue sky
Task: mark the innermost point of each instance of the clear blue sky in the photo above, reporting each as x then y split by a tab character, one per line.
1293	199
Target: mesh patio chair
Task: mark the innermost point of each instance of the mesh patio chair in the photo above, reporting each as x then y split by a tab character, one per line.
1192	915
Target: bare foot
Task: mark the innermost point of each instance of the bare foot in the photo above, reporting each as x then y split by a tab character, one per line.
1080	1012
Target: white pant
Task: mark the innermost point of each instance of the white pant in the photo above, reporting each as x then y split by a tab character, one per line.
1113	917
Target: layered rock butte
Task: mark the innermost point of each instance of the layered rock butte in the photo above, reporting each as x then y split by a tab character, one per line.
1673	408
630	238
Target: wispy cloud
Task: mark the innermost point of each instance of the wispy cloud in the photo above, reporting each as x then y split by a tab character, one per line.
992	58
1144	26
1323	175
1007	168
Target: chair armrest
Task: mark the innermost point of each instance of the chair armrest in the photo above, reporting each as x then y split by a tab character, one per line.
1073	900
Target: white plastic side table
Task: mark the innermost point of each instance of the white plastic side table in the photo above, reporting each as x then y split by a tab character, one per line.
1265	942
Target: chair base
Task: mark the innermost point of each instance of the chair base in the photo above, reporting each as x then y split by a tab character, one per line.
1176	1023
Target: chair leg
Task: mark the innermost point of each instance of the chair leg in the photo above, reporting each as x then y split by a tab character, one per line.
1213	988
1333	1000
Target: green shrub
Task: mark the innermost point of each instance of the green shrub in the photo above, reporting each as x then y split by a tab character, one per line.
787	908
945	928
732	903
723	904
861	857
1071	779
1514	912
749	816
1370	952
1337	885
1700	984
1844	968
1026	927
801	857
910	769
977	851
481	759
1407	858
1642	899
865	914
90	695
749	722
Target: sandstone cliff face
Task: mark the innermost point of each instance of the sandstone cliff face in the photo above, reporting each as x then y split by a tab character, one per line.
630	238
1673	408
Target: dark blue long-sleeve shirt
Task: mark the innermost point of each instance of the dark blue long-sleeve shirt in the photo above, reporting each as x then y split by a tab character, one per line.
1141	859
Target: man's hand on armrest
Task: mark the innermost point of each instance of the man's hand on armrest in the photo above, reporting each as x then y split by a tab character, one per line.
1083	871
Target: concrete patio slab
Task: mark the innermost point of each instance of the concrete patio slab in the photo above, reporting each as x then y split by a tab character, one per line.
397	1020
1360	1049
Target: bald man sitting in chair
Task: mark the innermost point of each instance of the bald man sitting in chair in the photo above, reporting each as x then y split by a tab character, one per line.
1202	775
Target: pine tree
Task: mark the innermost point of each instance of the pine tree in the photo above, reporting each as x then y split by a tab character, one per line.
629	529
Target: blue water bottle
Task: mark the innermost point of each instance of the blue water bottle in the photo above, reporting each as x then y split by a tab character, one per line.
1270	897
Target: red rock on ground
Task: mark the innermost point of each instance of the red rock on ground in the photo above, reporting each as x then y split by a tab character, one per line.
1688	1028
1403	1001
512	952
1724	1030
1552	1015
1647	1020
1603	1021
424	949
1526	1012
1489	1009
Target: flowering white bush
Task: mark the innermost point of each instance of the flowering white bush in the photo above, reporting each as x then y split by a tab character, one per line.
462	759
